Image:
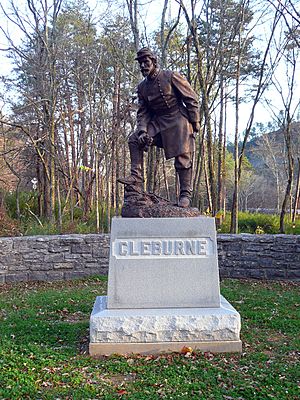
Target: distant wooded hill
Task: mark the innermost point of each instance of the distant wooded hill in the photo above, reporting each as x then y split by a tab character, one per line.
266	152
263	150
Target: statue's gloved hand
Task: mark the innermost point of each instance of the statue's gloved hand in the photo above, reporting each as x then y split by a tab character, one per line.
196	126
144	139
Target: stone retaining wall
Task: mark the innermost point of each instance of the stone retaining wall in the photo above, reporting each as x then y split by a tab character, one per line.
259	256
49	258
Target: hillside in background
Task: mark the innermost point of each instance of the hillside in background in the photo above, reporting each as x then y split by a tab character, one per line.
263	150
264	184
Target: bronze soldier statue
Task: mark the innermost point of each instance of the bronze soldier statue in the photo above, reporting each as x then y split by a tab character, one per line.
167	117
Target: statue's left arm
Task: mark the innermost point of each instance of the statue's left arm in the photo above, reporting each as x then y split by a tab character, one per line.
188	96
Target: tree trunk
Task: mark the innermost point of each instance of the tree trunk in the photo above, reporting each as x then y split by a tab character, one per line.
108	194
289	185
166	184
297	194
59	210
208	187
97	188
221	153
235	199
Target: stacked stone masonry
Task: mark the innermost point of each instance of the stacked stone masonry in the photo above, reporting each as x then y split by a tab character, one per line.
64	257
50	258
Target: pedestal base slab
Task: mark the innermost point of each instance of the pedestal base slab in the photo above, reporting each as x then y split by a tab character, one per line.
161	330
106	349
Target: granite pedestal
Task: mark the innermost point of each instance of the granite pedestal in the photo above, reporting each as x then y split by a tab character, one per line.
163	290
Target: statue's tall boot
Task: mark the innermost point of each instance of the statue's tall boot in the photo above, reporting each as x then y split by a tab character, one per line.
136	171
185	182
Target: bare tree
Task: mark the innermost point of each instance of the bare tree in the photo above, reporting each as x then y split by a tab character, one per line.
297	194
263	80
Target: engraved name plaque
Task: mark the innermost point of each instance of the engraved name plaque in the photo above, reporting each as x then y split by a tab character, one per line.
162	248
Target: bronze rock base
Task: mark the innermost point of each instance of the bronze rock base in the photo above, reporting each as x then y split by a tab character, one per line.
140	204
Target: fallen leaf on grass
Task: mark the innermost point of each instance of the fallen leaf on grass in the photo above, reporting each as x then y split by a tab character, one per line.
121	392
186	349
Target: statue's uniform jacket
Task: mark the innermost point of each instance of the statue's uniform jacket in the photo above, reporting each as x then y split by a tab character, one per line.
167	106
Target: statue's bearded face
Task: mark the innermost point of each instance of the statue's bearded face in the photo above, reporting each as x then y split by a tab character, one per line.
146	65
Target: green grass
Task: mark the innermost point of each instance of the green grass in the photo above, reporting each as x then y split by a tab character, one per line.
44	338
28	225
248	223
261	223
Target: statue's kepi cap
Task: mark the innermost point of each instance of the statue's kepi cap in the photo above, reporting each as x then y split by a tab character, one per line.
145	52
